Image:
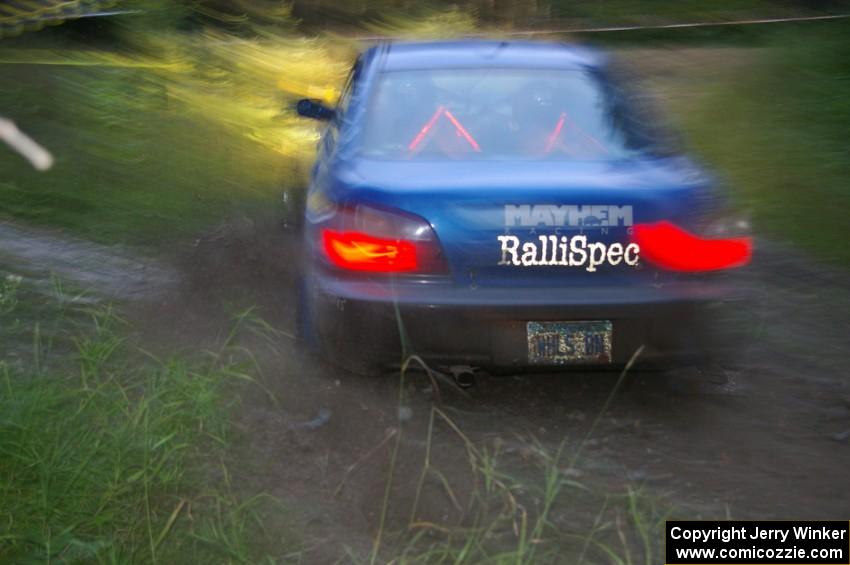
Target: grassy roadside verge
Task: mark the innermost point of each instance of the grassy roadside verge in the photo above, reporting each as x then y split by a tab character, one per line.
128	168
160	135
109	456
777	131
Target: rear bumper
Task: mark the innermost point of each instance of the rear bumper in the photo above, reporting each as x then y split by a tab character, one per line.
487	327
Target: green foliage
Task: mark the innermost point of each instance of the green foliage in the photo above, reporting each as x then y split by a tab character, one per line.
778	132
106	460
669	12
425	23
149	148
9	293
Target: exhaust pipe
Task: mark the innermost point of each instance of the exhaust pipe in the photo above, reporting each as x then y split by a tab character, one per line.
464	375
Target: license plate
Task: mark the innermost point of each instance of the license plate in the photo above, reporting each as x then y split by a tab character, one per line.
567	343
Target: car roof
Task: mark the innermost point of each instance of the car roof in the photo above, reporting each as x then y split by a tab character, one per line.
397	56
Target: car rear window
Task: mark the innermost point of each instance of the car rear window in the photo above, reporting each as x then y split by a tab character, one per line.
493	114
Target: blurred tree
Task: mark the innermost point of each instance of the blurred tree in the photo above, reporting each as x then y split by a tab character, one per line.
18	17
245	16
248	18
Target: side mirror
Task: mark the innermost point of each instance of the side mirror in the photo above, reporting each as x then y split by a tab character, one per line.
310	108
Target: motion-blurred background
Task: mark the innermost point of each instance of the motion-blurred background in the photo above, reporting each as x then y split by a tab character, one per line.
156	408
167	115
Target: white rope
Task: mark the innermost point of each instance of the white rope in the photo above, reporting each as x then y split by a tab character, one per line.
40	158
636	27
685	25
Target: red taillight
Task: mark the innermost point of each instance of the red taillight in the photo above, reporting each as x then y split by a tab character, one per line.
361	252
375	240
673	248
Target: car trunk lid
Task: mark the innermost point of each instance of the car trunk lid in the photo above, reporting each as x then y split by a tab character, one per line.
480	209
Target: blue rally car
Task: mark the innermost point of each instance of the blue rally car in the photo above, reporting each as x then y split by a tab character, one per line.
492	204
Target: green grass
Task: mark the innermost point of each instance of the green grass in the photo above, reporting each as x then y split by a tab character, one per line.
777	131
160	135
110	456
129	167
537	510
528	509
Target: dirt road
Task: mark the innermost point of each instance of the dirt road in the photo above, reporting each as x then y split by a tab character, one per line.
763	434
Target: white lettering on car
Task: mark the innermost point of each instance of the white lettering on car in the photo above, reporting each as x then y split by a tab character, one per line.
563	251
568	215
